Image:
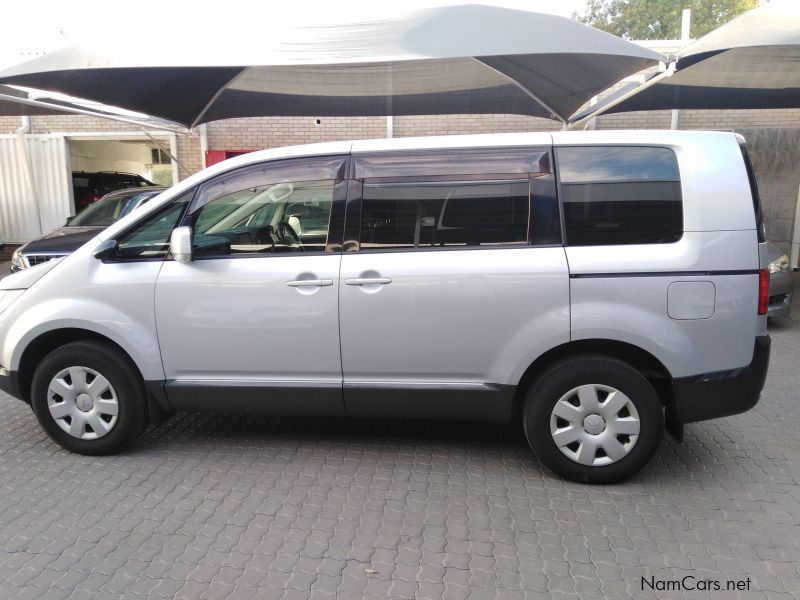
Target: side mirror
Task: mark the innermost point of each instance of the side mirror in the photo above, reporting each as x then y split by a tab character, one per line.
180	244
105	250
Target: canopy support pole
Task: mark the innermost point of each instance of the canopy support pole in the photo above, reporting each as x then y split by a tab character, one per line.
585	120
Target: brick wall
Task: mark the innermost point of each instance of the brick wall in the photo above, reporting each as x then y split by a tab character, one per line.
9	124
655	119
188	154
269	132
775	153
732	119
76	123
463	124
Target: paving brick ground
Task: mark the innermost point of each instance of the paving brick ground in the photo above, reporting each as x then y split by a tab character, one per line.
214	506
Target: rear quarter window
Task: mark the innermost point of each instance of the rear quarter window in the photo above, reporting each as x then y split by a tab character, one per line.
620	195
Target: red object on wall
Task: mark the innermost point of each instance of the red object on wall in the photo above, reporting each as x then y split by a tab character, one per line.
215	156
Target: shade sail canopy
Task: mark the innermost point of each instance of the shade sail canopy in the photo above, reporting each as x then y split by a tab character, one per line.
751	62
457	59
27	103
13	103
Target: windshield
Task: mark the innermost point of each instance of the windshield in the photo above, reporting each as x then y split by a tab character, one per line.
106	211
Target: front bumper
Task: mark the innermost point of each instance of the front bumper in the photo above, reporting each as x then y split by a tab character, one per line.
723	393
9	383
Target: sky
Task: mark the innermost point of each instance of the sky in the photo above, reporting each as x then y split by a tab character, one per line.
37	26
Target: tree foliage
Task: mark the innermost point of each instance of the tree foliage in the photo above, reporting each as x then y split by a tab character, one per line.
660	19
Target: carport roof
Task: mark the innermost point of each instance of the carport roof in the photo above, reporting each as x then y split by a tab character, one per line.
455	59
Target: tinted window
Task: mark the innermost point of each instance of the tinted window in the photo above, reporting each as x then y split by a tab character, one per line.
270	218
150	238
444	213
620	195
266	208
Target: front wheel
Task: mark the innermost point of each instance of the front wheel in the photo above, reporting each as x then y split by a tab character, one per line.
89	398
593	419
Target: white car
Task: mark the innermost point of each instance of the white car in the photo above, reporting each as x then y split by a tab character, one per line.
595	286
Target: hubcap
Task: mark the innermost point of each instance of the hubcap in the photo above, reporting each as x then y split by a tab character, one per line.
595	425
82	402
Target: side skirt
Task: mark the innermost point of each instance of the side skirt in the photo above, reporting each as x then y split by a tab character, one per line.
471	402
480	402
280	398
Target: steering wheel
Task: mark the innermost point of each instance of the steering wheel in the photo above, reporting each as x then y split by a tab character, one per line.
287	235
263	235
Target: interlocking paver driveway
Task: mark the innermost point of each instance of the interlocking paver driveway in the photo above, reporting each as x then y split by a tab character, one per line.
211	506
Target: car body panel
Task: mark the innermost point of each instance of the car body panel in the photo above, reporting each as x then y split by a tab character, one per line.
61	241
452	316
114	300
237	319
604	282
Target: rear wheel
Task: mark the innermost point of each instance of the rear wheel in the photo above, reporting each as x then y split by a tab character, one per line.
89	398
593	419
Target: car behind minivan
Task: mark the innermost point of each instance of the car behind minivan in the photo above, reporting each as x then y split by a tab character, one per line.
79	229
595	286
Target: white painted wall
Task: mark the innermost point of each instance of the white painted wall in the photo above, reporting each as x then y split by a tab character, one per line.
101	155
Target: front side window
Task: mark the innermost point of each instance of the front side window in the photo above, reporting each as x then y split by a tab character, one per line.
414	214
266	219
149	239
620	195
267	208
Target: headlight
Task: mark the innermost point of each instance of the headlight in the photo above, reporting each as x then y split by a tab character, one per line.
7	298
779	265
17	261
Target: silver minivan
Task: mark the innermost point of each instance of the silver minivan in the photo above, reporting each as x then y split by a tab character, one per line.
598	287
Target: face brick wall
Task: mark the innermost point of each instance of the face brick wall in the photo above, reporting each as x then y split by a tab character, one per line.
269	132
463	124
10	124
188	154
775	154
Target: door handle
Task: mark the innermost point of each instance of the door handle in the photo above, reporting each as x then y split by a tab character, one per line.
368	281
310	283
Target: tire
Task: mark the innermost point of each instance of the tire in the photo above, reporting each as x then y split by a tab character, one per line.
580	418
83	419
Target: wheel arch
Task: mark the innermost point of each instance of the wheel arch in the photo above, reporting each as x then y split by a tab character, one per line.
46	342
642	360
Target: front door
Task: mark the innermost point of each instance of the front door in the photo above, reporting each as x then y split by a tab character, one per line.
252	322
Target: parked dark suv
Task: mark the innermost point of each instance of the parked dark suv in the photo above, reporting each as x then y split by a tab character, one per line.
82	227
90	187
